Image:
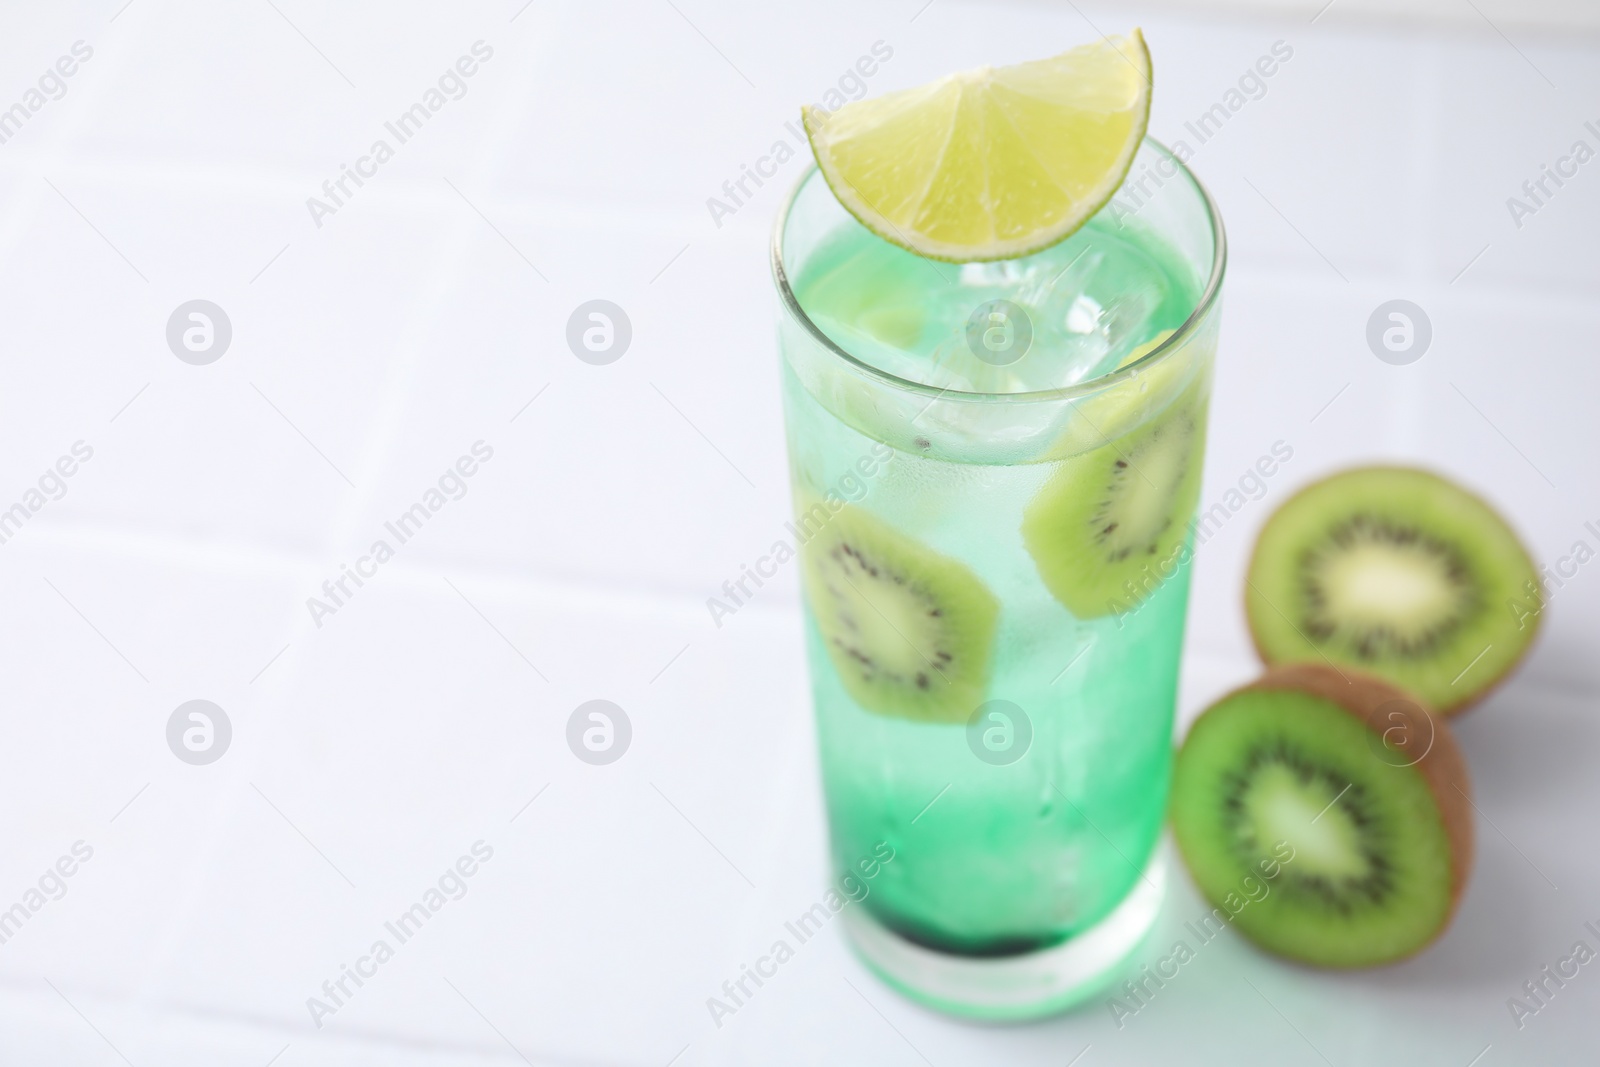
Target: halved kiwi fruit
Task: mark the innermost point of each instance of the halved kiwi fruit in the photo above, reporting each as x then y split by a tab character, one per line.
1400	573
1112	523
1326	815
910	631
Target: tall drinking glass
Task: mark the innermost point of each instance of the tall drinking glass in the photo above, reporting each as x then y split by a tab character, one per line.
995	468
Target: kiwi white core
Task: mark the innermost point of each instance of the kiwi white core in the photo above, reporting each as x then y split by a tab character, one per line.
1282	806
1146	504
887	620
1384	584
1145	482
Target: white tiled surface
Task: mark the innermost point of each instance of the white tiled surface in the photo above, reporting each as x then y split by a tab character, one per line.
370	753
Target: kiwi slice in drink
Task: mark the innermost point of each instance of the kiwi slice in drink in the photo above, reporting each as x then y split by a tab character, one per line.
1399	573
1325	815
1096	419
910	631
1112	524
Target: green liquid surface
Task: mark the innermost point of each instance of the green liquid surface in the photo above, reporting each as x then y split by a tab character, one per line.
1086	302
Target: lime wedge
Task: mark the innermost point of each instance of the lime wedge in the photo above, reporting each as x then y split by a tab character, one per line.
990	163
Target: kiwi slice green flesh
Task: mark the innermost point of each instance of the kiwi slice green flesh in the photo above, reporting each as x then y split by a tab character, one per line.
1400	573
1327	815
1107	528
910	631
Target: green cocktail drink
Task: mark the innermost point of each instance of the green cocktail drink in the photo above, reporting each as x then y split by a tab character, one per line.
995	469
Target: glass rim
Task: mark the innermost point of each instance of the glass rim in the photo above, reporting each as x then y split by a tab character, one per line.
1208	297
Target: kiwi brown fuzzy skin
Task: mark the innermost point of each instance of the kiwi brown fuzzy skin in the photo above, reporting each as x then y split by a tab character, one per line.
1442	767
1446	711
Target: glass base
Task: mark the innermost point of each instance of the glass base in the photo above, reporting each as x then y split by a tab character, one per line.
1015	987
